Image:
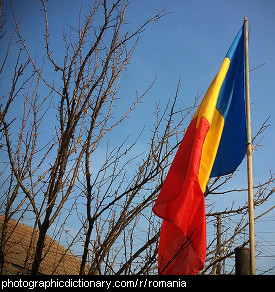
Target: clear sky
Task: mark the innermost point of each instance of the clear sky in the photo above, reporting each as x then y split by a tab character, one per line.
189	43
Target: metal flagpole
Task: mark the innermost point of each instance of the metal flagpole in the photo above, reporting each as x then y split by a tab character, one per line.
249	159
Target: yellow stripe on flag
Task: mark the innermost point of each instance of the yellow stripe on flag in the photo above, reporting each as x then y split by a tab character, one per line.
208	110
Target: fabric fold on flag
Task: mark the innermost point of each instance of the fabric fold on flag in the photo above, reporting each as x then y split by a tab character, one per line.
213	145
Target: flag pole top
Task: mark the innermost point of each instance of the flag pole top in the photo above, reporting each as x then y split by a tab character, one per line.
245	19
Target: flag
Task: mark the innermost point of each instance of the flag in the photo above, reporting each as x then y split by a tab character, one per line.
213	145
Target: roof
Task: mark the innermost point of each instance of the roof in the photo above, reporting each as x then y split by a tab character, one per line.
19	251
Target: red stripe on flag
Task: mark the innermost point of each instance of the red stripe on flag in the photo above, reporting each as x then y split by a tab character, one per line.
182	245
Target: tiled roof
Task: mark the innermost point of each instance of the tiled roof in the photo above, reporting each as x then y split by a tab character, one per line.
19	247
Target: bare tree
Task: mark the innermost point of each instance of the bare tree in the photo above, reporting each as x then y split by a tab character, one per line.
84	105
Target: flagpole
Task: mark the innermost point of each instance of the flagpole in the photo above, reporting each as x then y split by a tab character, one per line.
249	159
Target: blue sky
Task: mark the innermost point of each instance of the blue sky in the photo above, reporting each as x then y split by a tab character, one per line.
189	43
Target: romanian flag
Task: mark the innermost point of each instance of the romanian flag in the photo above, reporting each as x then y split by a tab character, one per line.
213	145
